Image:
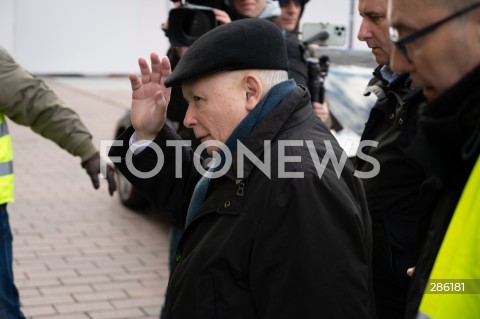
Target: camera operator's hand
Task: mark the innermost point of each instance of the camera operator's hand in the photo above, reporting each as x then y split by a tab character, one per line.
150	97
222	16
321	110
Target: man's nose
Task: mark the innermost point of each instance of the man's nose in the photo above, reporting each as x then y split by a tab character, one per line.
364	31
189	120
398	62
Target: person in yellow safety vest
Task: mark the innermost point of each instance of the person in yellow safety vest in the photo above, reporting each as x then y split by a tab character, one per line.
453	290
26	100
6	163
438	43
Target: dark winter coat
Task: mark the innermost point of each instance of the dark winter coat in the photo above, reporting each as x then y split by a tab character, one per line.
265	247
297	59
393	195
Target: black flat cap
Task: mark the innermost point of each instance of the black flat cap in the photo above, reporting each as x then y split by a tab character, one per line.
251	43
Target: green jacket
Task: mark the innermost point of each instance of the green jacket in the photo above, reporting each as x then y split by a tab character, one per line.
26	100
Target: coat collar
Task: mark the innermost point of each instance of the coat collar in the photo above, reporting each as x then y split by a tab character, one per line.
293	109
449	127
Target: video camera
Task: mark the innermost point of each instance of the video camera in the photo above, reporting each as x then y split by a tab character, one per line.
317	37
324	34
321	35
194	18
317	72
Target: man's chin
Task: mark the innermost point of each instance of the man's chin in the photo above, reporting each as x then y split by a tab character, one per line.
430	93
211	150
380	56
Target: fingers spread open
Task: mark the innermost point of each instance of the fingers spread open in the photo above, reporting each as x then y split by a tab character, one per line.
166	69
134	81
156	67
144	70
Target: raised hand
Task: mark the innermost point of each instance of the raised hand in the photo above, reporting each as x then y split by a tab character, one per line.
150	97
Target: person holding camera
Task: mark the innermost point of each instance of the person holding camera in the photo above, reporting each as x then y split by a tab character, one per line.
394	194
287	17
289	21
292	243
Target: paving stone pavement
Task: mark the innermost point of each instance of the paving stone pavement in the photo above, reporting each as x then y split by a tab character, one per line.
78	253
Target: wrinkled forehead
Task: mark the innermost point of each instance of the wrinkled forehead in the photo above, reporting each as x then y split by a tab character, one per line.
372	7
403	13
209	81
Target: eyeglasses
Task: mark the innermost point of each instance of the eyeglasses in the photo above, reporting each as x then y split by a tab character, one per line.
401	44
284	3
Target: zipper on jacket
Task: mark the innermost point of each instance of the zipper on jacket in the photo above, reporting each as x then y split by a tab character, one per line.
178	256
240	187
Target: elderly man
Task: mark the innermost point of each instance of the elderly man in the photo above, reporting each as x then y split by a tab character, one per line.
277	235
438	43
392	195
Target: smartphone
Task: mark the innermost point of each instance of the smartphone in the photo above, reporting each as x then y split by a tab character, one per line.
324	34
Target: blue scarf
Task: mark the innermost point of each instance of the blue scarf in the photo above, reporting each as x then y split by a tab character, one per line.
241	132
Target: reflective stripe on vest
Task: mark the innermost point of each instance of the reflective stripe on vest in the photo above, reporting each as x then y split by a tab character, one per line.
6	163
6	168
458	261
3	127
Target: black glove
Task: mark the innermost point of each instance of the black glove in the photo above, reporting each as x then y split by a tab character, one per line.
92	166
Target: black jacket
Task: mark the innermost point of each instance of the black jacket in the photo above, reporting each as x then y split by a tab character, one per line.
447	145
267	247
393	195
297	59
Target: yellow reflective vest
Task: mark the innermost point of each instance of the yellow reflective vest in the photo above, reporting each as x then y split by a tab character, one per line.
6	163
453	289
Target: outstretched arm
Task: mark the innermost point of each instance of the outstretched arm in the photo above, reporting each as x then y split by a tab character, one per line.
27	100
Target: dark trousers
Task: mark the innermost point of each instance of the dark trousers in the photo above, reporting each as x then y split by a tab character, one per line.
9	298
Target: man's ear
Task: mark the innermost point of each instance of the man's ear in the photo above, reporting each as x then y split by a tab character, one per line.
254	91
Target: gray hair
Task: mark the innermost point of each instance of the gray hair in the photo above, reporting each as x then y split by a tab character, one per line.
270	78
